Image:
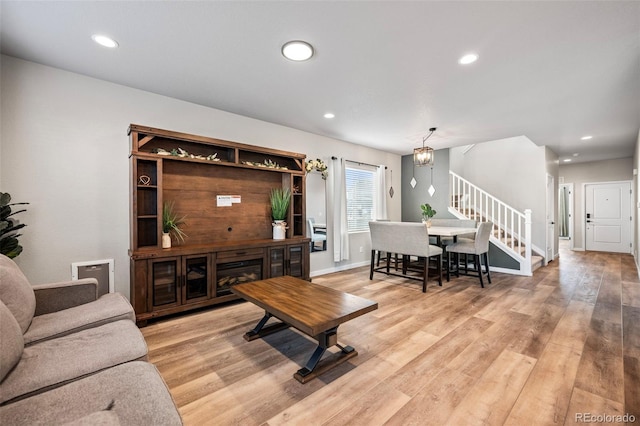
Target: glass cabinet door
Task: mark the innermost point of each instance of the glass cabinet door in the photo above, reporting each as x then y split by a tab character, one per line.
295	261
197	273
165	282
276	262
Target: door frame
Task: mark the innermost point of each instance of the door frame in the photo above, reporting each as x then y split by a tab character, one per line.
551	207
584	210
570	221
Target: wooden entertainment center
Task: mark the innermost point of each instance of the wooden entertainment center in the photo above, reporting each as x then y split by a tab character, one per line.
222	189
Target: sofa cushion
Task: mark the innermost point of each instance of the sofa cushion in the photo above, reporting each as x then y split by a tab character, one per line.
54	362
11	342
99	418
109	308
134	391
16	292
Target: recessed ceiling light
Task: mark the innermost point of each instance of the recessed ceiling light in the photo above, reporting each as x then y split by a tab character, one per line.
567	160
329	115
468	59
586	138
297	50
104	41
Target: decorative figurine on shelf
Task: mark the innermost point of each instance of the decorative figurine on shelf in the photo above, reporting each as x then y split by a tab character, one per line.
280	198
317	165
427	214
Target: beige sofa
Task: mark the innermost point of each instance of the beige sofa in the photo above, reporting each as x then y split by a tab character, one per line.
68	356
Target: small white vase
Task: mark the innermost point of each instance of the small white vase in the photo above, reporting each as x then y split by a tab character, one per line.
279	230
166	240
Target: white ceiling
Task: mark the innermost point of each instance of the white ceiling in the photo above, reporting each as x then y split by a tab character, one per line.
552	71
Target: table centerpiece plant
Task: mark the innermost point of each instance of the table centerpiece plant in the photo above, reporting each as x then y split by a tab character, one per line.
427	213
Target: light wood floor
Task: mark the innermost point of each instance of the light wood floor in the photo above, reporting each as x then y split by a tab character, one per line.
525	350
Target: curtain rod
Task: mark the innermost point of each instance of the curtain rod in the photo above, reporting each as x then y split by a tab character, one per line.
360	163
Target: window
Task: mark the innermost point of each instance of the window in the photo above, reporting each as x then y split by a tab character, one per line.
360	198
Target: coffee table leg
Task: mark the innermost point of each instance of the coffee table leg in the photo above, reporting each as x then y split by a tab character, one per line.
260	330
325	340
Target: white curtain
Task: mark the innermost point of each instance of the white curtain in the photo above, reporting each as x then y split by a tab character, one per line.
381	194
337	206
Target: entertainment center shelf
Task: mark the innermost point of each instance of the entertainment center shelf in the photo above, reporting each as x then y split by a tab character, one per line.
221	188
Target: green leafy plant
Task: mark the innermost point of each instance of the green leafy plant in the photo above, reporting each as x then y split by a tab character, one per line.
280	198
171	222
9	226
427	211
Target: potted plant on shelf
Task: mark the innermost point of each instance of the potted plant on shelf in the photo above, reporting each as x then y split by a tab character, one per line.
280	198
171	225
427	214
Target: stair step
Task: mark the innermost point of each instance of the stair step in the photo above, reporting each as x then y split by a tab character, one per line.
536	262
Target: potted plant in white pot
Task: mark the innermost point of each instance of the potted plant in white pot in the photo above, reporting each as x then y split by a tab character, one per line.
171	225
280	198
427	214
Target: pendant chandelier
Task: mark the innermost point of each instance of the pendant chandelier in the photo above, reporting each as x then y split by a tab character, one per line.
424	156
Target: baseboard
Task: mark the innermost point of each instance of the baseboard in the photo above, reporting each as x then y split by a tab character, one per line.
508	271
338	269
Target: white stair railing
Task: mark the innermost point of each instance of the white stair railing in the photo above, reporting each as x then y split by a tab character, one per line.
511	228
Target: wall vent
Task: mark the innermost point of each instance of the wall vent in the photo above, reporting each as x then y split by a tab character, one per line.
101	270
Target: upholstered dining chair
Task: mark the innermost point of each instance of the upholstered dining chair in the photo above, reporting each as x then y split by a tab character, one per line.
315	237
479	247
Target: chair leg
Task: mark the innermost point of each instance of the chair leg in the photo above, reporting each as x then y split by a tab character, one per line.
373	258
425	274
439	260
486	263
448	265
479	268
388	262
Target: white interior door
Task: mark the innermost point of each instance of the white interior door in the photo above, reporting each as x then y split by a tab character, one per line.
551	219
608	217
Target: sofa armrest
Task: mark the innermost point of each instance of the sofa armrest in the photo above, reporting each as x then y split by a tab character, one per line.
55	297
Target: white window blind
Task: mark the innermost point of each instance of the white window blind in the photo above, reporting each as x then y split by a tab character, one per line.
360	198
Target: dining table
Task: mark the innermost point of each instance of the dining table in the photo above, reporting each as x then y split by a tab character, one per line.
448	231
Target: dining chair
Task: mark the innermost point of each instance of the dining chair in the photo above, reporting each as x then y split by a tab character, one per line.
479	247
408	239
315	237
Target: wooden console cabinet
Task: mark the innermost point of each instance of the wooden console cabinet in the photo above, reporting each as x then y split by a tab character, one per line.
222	189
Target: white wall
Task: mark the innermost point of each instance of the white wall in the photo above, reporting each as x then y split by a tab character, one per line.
64	149
513	170
591	172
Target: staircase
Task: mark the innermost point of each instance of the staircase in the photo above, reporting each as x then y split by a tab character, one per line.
511	228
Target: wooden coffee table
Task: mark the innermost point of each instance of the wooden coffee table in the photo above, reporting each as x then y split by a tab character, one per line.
313	309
